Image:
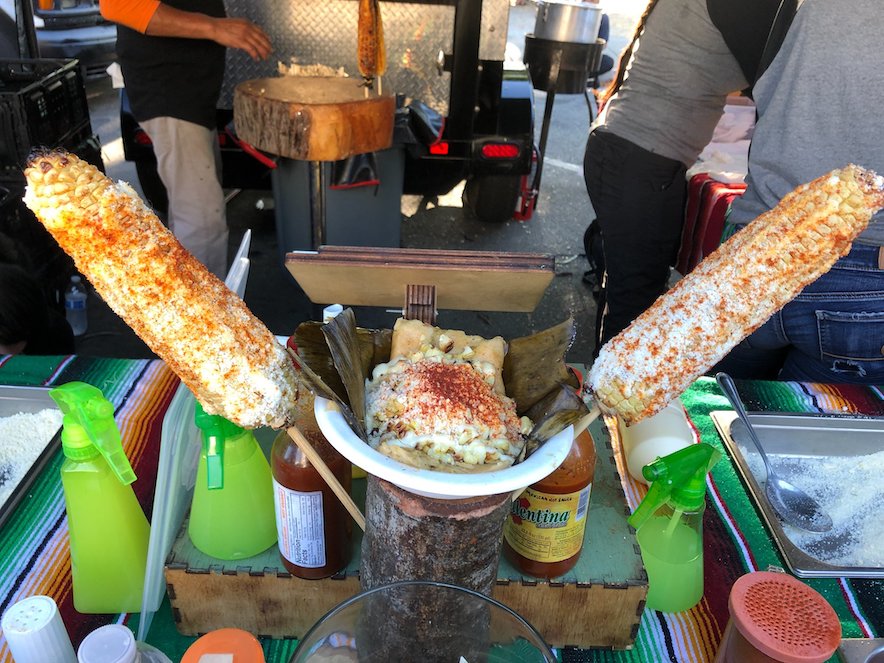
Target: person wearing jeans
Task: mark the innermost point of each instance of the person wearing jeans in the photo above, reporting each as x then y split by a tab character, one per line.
819	109
661	110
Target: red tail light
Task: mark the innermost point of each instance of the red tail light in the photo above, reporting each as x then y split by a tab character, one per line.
439	149
500	150
141	138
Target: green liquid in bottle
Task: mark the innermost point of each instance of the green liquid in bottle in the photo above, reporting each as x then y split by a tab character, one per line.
673	558
109	537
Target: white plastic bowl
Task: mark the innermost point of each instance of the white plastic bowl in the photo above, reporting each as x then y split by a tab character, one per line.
440	485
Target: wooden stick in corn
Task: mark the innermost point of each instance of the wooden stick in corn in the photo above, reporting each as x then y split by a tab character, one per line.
230	361
371	51
732	292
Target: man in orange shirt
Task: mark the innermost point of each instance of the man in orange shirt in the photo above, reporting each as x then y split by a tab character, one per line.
172	56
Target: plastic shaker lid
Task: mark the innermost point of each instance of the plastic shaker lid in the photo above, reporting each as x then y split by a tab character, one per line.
113	643
784	618
226	644
34	632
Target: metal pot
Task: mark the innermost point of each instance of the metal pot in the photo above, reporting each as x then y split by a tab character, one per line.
576	22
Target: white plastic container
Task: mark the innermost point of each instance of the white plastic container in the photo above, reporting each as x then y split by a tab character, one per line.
35	633
115	643
664	433
75	305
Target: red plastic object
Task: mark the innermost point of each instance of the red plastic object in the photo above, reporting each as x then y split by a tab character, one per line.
527	194
775	617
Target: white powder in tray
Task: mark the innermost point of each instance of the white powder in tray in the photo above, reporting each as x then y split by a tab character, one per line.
850	490
23	437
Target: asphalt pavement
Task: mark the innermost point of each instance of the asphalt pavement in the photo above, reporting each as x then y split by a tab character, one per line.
556	228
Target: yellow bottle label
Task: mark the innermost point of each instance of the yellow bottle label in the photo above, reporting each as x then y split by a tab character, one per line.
546	527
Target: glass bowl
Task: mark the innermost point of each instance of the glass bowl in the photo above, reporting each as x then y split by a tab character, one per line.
426	621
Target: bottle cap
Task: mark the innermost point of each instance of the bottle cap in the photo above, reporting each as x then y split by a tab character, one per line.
215	430
679	478
35	632
239	645
331	312
89	427
783	618
113	643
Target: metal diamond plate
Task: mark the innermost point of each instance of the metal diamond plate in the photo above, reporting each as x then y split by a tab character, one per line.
310	32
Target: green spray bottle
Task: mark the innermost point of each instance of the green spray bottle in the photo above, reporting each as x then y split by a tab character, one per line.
232	514
109	532
669	526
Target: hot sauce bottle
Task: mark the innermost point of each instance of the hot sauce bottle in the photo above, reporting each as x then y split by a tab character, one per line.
543	535
314	527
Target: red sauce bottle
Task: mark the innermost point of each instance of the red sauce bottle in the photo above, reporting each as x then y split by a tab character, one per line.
543	534
314	528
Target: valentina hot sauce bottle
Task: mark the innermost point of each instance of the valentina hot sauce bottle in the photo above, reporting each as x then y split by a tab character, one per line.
543	535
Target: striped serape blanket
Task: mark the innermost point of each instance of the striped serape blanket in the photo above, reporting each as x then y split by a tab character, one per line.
736	540
34	555
34	552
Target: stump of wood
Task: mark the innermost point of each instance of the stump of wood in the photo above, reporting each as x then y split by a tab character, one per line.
313	118
410	537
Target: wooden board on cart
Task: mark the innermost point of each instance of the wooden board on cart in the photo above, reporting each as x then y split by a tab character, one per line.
597	604
464	280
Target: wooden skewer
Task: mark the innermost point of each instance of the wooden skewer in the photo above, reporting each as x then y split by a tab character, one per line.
326	473
587	419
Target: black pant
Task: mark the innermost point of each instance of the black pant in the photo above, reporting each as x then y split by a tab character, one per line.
639	200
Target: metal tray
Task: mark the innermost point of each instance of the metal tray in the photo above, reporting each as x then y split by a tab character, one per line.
27	399
801	436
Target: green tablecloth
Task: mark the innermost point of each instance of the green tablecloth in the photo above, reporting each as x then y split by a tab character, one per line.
33	542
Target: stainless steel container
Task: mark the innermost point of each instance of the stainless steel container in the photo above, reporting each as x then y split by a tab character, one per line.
576	22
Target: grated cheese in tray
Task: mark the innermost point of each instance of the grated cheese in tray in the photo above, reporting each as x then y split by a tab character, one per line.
23	437
849	488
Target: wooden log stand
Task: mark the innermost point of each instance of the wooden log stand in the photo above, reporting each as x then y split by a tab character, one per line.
410	537
313	118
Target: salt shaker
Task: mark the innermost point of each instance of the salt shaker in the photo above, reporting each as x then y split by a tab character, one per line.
35	632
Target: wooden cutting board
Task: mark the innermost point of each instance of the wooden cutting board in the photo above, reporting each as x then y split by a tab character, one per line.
313	118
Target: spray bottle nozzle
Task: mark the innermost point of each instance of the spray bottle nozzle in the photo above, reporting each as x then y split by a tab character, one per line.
679	478
216	430
89	423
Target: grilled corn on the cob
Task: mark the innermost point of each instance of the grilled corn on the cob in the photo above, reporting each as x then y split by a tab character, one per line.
732	293
371	52
226	356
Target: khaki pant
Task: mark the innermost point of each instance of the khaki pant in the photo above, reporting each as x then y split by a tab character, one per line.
189	164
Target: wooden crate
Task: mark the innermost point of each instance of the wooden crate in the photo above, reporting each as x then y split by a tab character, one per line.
597	604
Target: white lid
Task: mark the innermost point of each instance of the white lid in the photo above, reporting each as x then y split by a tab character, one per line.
113	643
331	312
36	633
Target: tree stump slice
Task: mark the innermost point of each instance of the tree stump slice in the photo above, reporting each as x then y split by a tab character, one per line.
410	537
313	118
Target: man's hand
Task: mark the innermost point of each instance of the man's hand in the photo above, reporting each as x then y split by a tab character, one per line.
242	34
230	32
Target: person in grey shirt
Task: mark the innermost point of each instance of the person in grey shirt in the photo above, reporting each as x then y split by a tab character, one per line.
819	108
667	97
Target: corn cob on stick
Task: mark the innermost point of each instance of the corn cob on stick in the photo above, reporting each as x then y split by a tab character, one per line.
371	52
226	356
732	292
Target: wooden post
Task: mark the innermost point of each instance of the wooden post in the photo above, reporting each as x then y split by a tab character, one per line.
409	537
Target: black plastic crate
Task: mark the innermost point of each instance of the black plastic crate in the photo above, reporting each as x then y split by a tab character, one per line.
42	104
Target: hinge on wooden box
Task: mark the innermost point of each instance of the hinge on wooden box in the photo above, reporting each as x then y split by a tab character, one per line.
420	303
